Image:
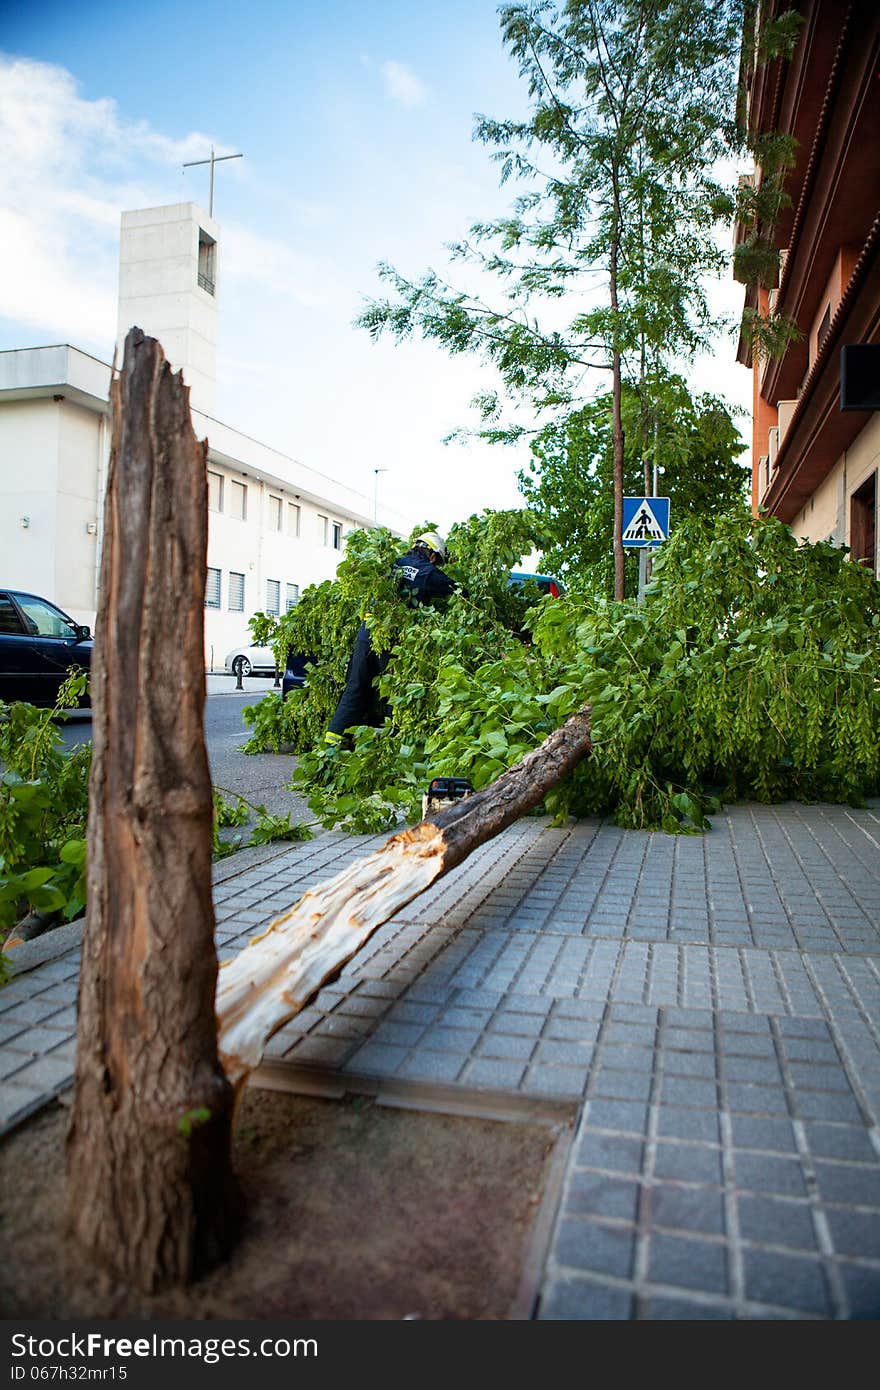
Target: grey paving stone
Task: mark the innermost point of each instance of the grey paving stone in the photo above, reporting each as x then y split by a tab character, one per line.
433	1066
839	1141
687	1039
631	1034
46	1074
686	1208
625	1058
687	1263
802	1028
698	1125
585	1244
398	1034
506	1045
828	1105
634	1013
16	1102
626	1116
862	1290
684	1090
698	1064
574	1054
768	1173
855	1232
439	1039
771	1221
848	1184
408	1011
523	1025
810	1050
812	1077
498	1073
580	1008
687	1162
617	1152
759	1132
731	1022
758	1071
583	1300
788	1281
580	1030
756	1100
592	1194
621	1085
555	1080
660	1309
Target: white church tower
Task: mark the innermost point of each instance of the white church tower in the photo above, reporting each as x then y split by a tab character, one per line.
168	287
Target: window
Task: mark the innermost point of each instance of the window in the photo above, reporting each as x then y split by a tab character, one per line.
323	523
274	513
863	523
212	589
293	519
337	535
236	592
238	501
292	596
10	622
273	595
44	619
207	258
215	492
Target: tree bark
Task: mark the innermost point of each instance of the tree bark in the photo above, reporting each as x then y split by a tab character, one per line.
277	974
152	1192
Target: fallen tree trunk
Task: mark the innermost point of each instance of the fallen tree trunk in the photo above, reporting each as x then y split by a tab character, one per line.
282	969
152	1193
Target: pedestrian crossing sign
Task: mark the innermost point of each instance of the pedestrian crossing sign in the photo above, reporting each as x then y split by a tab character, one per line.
645	522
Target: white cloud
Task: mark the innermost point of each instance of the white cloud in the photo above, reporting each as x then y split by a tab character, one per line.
402	85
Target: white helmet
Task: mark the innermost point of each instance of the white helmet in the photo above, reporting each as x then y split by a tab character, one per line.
432	540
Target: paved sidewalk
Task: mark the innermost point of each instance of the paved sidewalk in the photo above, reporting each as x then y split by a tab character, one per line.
708	1007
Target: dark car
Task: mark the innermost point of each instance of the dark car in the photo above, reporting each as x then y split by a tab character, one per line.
294	677
39	645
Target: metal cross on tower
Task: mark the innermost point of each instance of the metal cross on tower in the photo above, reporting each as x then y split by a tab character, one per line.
215	159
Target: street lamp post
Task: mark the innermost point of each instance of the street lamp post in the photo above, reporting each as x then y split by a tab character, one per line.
376	472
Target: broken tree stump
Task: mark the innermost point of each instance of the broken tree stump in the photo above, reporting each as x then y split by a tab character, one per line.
152	1193
276	975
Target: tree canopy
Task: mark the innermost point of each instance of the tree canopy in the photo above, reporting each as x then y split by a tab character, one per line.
599	265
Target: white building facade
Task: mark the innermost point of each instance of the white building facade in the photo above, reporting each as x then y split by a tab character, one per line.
274	524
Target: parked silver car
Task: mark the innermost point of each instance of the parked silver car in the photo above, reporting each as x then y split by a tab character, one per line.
250	661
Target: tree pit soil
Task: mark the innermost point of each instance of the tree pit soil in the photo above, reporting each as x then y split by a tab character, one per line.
355	1211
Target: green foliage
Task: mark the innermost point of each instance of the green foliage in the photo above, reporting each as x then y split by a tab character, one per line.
44	807
267	828
43	804
752	669
631	107
569	482
193	1119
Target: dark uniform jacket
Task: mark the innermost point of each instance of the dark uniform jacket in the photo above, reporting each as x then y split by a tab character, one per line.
422	582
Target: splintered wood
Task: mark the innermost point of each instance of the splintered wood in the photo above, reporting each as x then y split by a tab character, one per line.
277	974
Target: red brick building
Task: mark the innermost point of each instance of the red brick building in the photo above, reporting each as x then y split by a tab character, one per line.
814	465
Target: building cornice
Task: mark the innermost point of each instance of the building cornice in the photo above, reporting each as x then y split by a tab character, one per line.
819	431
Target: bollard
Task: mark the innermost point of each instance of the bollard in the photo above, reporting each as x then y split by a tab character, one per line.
238	680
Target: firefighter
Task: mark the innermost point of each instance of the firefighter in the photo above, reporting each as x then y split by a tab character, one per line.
421	577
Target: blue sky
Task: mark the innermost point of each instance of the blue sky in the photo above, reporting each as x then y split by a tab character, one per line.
355	121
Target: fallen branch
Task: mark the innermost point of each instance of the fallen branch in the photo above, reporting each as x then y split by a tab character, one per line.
277	974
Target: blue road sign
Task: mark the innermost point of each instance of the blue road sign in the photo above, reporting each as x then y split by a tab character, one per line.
645	522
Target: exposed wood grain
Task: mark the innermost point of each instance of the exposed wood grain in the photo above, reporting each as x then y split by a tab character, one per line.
152	1190
282	969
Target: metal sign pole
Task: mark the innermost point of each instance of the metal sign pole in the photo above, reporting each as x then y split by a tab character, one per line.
643	573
